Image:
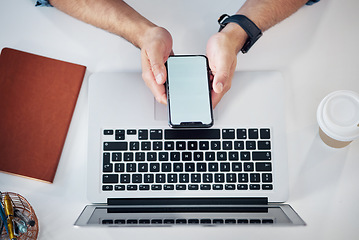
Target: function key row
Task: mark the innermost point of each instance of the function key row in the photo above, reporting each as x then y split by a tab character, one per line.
177	134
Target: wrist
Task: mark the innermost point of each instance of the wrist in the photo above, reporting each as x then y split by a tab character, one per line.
236	36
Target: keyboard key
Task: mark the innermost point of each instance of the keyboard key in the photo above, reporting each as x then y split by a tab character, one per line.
238	145
207	178
231	177
160	178
217	187
210	156
195	178
267	187
154	167
145	146
184	178
181	145
224	167
254	177
241	133
261	156
192	145
205	187
236	167
142	134
125	178
180	187
245	156
265	133
172	178
136	178
263	167
110	178
219	177
253	133
186	156
213	167
157	146
215	145
264	145
156	187
242	177
140	156
242	186
143	167
151	156
169	145
120	187
131	187
254	186
198	156
221	156
228	133
250	145
189	167
204	145
131	131
156	134
148	178
166	167
175	156
227	145
201	167
115	146
128	156
119	167
178	167
131	167
172	134
193	187
233	156
163	156
248	167
120	134
108	132
266	177
107	188
168	187
230	187
144	187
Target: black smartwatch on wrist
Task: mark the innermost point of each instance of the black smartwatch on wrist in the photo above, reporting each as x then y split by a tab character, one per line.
253	32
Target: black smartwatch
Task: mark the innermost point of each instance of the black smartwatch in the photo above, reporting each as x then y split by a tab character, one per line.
254	33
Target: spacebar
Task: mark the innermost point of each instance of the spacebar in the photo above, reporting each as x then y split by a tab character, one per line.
172	134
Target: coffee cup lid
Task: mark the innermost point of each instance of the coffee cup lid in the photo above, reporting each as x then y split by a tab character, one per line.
338	115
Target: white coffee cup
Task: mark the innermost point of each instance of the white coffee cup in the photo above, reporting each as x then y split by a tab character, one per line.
338	118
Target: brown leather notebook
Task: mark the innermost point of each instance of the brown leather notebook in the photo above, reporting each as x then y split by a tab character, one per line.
37	99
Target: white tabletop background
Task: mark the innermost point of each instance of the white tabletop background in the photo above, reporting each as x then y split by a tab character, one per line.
317	51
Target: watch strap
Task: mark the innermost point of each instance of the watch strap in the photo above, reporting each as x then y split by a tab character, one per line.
253	32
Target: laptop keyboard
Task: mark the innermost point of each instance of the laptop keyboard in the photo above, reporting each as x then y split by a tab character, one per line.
225	159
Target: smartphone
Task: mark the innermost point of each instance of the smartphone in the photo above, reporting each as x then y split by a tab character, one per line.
188	91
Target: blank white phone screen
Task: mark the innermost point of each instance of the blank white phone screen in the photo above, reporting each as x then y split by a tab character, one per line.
188	90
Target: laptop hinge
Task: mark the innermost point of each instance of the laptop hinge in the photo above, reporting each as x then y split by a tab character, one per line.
188	201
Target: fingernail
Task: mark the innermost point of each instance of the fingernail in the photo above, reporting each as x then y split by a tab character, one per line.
159	78
219	87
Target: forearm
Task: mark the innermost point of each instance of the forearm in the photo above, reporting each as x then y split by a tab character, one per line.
111	15
264	13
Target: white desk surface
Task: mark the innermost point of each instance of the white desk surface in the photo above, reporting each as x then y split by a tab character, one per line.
316	49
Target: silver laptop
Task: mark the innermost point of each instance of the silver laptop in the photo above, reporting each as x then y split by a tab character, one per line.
143	173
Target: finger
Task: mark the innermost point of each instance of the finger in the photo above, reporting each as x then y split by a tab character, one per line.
158	90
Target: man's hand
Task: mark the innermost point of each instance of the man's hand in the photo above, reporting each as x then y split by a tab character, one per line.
222	49
155	49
